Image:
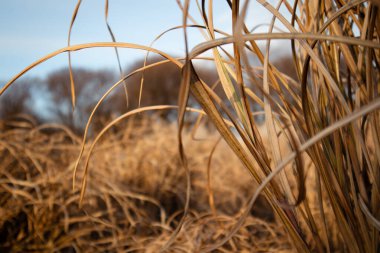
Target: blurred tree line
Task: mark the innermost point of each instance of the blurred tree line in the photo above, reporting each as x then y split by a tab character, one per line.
48	99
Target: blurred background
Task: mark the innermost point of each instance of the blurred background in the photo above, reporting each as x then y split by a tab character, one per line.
30	30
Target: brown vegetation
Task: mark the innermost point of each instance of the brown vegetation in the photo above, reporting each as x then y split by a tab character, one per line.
135	194
148	187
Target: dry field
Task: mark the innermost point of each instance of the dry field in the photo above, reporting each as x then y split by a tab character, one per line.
283	164
135	197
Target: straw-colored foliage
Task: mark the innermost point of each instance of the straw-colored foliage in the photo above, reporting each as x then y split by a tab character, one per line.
309	144
135	193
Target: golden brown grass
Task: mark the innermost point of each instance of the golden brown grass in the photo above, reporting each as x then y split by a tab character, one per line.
323	186
135	196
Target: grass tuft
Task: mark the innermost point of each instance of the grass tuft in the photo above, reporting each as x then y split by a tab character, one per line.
313	154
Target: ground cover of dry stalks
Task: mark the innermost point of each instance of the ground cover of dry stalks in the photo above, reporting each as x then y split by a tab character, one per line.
135	196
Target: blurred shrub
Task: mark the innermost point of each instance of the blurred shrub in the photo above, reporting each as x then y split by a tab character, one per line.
89	86
16	100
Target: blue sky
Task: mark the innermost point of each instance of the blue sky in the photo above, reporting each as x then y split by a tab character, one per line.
31	29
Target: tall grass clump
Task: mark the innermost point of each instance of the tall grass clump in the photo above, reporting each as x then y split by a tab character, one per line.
316	153
328	115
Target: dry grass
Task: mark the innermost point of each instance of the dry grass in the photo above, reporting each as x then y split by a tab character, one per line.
135	196
316	160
